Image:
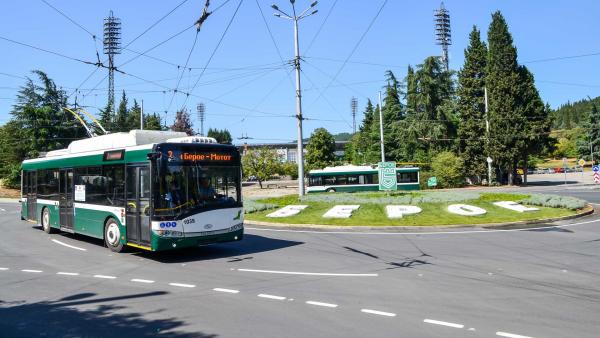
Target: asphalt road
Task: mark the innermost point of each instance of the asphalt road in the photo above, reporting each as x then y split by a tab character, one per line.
531	283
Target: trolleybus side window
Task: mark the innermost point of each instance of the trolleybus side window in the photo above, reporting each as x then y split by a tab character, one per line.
47	182
410	177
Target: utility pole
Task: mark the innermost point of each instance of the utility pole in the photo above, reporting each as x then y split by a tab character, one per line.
487	133
354	106
142	117
112	46
381	130
295	18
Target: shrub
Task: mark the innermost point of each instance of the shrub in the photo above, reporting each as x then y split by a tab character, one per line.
392	197
554	201
448	168
251	206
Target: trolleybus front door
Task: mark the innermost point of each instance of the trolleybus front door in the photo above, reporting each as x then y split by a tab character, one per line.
65	193
138	204
31	177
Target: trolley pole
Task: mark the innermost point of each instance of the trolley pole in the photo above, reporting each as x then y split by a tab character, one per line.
300	148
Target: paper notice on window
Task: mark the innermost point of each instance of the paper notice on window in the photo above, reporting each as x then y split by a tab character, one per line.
80	193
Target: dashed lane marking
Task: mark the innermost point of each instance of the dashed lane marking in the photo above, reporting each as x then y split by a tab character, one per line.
312	273
439	322
380	313
262	295
3	269
33	271
510	335
68	245
226	290
181	285
68	273
104	277
311	302
145	281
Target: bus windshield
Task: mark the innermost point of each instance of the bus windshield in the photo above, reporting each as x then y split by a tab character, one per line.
187	182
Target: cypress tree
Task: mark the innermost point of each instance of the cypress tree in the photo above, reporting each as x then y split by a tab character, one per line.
505	113
120	122
471	106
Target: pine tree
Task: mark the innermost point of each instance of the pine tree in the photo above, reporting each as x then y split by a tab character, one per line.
411	91
120	121
133	116
152	122
471	106
183	122
506	115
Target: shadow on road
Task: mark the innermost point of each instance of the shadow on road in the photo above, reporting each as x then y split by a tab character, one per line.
62	319
249	245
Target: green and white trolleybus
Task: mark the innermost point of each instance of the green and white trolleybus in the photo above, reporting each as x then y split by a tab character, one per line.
153	190
351	178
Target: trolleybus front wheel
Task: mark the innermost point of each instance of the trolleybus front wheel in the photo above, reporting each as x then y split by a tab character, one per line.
112	236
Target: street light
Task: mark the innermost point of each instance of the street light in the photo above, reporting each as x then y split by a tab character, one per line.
296	18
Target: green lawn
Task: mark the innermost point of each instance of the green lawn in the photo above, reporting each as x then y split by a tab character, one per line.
373	214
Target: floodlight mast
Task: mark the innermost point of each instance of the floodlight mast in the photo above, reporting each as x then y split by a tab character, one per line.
296	18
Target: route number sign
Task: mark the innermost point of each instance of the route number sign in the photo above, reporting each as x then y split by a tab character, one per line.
387	176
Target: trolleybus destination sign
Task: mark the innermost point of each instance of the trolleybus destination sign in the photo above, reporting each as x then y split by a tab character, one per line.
387	176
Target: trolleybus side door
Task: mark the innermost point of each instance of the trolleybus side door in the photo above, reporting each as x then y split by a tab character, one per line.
65	193
32	195
138	204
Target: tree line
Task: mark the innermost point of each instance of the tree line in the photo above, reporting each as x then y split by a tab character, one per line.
433	112
43	120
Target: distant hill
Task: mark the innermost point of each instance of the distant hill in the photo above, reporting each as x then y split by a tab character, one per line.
342	137
572	114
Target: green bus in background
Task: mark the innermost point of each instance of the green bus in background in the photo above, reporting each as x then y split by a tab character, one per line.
153	190
352	178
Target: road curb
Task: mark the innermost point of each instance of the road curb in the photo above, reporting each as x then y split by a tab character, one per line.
587	210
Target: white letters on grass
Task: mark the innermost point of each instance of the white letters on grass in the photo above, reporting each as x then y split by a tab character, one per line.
397	211
287	211
341	211
466	210
514	206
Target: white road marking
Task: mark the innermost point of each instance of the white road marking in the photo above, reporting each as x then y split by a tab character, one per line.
146	281
2	209
439	322
67	273
321	304
183	285
3	269
510	335
104	276
34	271
313	273
380	313
226	290
419	233
68	246
262	295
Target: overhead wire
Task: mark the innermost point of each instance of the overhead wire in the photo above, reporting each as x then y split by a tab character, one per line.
312	41
353	49
214	50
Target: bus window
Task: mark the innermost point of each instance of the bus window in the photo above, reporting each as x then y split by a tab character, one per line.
329	180
407	177
315	181
353	179
342	180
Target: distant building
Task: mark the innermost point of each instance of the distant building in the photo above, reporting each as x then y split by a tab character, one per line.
287	152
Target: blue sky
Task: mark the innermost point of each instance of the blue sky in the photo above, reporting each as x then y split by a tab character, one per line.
248	90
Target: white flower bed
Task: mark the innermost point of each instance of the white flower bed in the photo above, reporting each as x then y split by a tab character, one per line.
397	211
341	211
466	210
288	210
514	206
